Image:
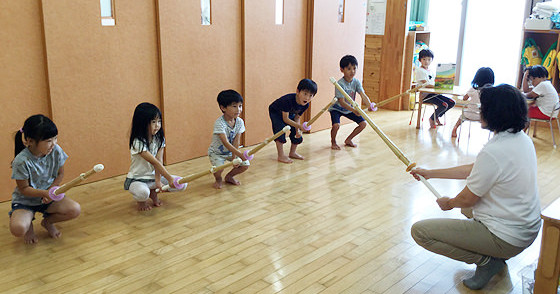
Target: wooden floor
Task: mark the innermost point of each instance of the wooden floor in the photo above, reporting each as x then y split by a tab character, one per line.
338	222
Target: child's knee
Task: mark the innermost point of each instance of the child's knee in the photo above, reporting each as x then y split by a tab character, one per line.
74	210
140	195
362	125
18	229
140	191
335	127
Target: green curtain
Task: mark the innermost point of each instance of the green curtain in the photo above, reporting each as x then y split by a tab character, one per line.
419	10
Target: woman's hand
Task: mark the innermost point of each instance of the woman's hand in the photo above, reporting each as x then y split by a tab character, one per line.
420	171
444	204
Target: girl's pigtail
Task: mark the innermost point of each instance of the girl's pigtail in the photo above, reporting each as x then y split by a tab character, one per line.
18	143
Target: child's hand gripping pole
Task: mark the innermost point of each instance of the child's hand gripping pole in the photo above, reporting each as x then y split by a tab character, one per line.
307	125
388	142
412	90
56	193
181	183
249	153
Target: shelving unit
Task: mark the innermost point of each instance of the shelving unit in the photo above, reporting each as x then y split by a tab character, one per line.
407	78
544	39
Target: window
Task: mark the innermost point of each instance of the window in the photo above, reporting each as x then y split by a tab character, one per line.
485	42
279	13
205	15
341	11
107	12
495	46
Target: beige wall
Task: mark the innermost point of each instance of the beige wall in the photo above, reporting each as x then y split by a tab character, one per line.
275	59
23	77
58	60
197	63
331	41
97	75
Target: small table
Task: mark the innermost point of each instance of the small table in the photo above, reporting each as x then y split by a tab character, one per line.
548	268
457	91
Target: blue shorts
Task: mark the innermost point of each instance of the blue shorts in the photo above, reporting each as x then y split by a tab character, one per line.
335	117
278	124
34	208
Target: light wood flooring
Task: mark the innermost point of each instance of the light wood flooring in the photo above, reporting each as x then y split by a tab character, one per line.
337	222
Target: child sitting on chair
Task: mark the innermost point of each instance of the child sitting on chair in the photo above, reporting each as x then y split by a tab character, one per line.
226	137
424	76
484	77
543	94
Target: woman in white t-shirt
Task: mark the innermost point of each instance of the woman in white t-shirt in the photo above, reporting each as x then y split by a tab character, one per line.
543	95
501	189
484	77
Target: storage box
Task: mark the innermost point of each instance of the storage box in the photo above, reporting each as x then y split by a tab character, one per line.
538	24
528	279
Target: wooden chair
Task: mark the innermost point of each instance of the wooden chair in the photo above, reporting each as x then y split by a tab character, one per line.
553	117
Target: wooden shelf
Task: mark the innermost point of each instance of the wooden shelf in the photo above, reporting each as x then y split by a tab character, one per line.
544	39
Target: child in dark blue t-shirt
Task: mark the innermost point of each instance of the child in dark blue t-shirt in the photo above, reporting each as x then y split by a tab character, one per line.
287	110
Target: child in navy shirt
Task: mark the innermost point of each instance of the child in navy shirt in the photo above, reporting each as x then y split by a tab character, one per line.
287	110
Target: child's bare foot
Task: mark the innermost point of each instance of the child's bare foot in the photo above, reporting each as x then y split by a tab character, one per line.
53	231
285	159
232	180
349	143
218	184
335	146
144	206
432	123
155	200
296	156
29	237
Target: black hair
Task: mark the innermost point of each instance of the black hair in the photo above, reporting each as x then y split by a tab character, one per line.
228	97
537	71
425	53
36	127
503	108
484	76
348	60
307	85
143	116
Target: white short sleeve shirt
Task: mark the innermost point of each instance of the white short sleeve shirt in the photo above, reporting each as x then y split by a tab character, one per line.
504	176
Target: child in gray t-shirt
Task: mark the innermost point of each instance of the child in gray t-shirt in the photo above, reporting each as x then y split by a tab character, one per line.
351	85
38	166
226	137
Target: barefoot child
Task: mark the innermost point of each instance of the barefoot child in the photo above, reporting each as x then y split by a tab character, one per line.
38	165
226	137
348	66
146	154
287	110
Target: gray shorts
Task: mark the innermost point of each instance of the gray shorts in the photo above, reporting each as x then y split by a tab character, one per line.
220	159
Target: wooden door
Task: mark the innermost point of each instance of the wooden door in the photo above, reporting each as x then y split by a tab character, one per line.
197	62
331	41
274	59
23	78
97	76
